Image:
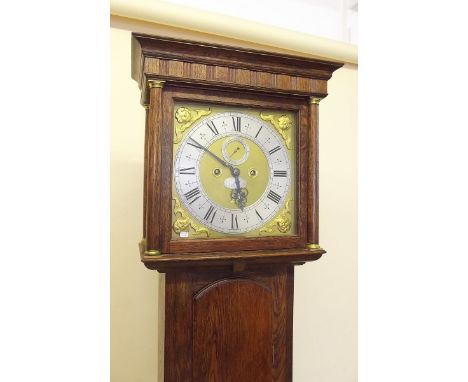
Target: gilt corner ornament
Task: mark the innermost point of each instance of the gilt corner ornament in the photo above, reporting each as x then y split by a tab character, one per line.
282	223
186	117
282	125
183	223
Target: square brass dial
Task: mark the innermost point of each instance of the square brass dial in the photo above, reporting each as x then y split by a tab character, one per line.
234	172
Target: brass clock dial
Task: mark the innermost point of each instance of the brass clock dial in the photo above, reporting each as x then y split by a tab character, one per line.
233	174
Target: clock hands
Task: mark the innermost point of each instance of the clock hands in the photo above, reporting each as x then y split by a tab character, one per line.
235	151
238	194
198	145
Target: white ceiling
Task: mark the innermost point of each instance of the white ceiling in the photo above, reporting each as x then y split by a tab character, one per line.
334	19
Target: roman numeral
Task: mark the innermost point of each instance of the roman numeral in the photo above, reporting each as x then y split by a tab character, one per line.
258	215
280	173
213	216
192	193
237	123
234	224
272	151
273	196
208	214
258	132
187	171
212	127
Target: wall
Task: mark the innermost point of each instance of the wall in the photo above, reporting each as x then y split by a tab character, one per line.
325	305
325	321
133	288
332	19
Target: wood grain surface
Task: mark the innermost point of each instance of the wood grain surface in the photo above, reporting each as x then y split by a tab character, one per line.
312	177
153	170
229	326
183	93
232	332
208	261
226	67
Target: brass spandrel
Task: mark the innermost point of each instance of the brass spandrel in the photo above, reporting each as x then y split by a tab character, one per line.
186	117
282	124
282	222
184	223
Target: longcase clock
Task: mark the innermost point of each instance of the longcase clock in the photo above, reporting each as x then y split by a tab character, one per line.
230	200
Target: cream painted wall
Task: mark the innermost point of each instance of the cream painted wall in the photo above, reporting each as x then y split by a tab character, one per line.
325	321
325	295
133	288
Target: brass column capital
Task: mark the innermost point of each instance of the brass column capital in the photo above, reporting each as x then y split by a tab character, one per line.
155	84
315	100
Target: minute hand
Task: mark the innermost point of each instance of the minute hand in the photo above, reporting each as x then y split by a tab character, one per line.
224	163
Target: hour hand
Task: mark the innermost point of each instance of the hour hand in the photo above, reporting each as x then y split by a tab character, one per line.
240	197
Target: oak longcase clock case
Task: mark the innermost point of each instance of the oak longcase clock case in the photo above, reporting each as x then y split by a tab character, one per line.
230	200
203	210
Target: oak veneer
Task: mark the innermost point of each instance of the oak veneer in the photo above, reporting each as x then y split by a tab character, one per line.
228	327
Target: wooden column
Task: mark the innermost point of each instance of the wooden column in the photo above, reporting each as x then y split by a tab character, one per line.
153	168
313	170
145	168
